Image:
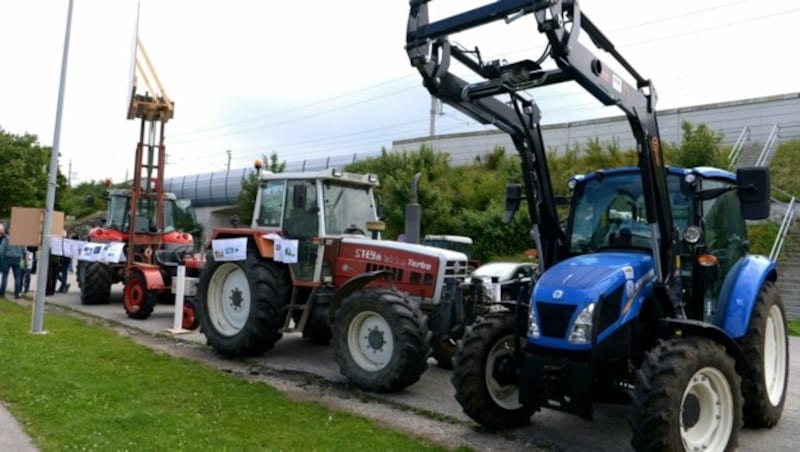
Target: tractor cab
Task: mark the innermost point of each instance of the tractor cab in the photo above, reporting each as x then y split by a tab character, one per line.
327	203
308	207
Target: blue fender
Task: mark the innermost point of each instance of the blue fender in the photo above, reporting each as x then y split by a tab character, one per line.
740	291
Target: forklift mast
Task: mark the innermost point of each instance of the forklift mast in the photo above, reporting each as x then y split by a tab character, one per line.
562	22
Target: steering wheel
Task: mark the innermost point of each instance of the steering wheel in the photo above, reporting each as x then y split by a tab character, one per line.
353	229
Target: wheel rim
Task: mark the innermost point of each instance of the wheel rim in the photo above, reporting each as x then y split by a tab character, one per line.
370	340
135	293
707	411
229	299
505	396
775	355
189	317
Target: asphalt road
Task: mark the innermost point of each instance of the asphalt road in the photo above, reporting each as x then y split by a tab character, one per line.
433	395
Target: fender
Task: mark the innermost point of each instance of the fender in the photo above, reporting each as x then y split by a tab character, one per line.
265	246
687	327
353	284
152	276
739	293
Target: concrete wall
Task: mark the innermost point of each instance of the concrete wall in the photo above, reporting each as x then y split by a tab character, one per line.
730	118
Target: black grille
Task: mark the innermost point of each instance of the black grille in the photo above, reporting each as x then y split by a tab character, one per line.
554	318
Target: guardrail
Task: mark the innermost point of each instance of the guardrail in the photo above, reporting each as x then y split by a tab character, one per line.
769	146
780	238
736	151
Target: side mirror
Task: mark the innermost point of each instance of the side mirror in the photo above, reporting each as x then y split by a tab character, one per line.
379	209
299	197
513	196
754	190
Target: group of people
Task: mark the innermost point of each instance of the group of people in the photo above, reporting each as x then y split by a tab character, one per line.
20	262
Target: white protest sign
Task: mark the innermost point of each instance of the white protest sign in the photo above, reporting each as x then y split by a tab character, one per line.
113	253
289	251
230	249
56	245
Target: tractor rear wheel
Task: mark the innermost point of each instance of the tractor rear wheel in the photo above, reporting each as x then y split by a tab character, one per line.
189	320
242	305
766	346
482	397
94	279
687	397
381	340
139	302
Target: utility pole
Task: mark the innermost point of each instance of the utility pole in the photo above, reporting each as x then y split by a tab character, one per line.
37	323
229	160
436	109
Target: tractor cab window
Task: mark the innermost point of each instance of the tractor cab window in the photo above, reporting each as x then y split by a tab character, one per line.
610	212
301	216
347	208
271	204
725	231
118	213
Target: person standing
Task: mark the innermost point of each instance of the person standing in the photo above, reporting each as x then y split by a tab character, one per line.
30	268
14	258
3	268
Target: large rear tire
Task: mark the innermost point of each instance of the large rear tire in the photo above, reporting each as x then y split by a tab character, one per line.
380	339
687	397
139	302
95	280
766	346
484	399
242	305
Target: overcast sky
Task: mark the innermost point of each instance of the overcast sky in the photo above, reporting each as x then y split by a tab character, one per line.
321	78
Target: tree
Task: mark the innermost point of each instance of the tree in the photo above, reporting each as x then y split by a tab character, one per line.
700	147
247	197
24	177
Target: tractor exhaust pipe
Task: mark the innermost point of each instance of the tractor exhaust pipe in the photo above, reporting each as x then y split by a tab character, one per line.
413	213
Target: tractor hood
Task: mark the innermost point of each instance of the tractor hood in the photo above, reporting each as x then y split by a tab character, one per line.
615	282
419	270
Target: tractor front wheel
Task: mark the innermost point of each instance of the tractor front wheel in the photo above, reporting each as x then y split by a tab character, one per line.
687	397
381	340
766	346
484	347
242	305
94	279
139	302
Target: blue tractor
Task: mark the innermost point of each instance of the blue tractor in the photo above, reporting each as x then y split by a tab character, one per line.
647	294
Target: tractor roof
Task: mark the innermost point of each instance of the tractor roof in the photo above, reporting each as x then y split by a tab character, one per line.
331	174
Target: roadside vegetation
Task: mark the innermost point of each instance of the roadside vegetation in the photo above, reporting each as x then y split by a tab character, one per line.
469	200
84	387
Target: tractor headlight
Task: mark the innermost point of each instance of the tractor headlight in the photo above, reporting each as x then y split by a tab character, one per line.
533	323
692	234
581	332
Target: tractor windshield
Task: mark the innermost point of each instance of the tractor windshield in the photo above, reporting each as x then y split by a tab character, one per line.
348	208
608	211
119	214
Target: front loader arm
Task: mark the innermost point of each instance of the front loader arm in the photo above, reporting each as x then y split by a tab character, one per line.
561	21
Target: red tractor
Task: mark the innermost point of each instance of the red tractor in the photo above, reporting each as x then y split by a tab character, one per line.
96	278
312	262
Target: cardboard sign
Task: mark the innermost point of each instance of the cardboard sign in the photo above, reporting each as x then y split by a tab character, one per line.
27	224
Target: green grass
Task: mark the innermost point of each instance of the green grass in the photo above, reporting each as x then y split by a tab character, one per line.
85	387
794	327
